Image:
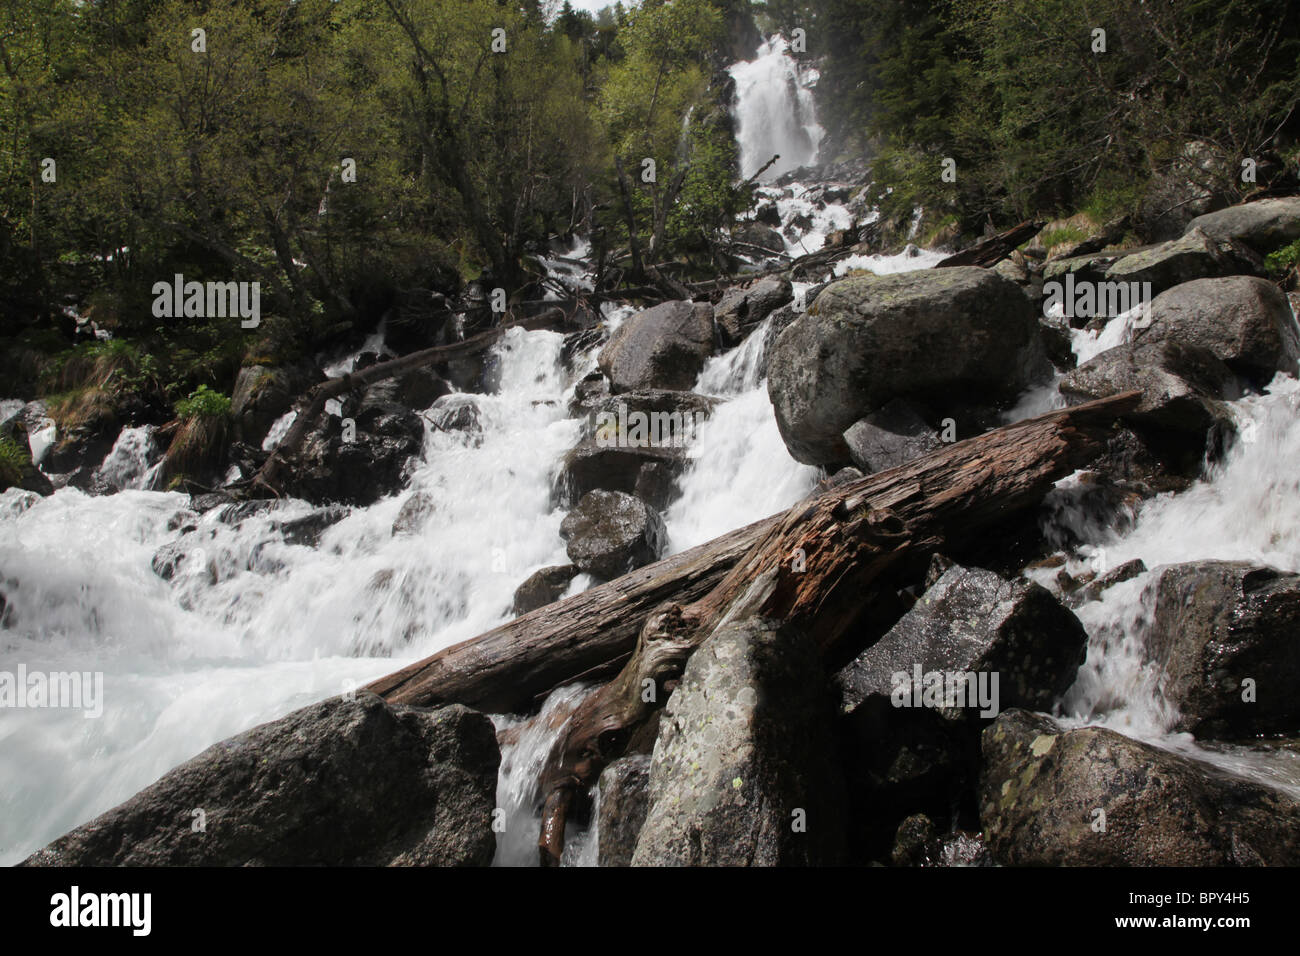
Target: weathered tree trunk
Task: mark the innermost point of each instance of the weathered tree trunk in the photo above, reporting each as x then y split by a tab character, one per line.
589	635
313	404
989	252
819	565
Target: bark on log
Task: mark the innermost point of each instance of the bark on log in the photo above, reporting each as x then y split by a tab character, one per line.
312	404
989	252
851	540
507	669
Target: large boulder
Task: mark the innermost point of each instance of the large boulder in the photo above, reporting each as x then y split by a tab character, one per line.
1092	797
1225	634
889	437
744	771
740	310
943	338
624	800
635	442
1246	322
1182	386
339	783
1263	225
261	395
357	469
662	347
974	621
610	533
1193	256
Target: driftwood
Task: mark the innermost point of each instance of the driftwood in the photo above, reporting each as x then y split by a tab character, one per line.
989	252
312	404
818	566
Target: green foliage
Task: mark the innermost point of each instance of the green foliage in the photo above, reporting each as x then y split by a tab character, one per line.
1051	238
1281	261
1041	124
203	403
13	460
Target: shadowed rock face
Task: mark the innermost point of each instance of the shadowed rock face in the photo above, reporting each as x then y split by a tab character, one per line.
1182	388
1218	624
611	533
624	800
941	337
662	347
1092	797
972	620
337	783
744	770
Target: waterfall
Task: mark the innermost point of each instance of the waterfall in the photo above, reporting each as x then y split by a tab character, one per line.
259	627
775	112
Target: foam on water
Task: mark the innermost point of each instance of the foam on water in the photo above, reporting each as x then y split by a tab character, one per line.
257	627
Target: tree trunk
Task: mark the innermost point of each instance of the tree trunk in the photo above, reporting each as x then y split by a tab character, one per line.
819	566
508	669
989	252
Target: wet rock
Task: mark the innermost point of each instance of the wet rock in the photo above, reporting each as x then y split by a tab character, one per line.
610	533
1092	797
945	338
414	513
902	761
1263	225
1194	256
624	801
635	442
744	772
1094	589
261	395
1181	384
543	587
307	530
457	413
416	390
1244	321
360	471
663	347
740	310
335	784
206	502
1225	634
972	620
889	437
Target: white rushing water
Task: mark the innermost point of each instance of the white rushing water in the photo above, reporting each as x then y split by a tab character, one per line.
775	111
257	627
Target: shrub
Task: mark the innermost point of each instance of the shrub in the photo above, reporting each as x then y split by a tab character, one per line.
203	403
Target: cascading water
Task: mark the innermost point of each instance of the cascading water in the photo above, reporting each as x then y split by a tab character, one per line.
257	627
775	112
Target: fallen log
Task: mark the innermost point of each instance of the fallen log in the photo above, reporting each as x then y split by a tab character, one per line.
589	635
818	566
312	404
989	252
